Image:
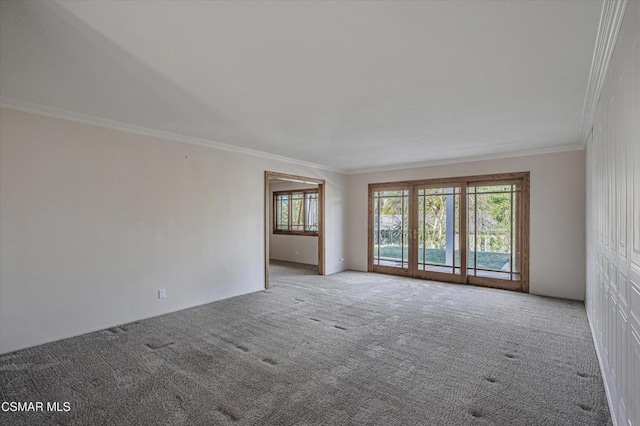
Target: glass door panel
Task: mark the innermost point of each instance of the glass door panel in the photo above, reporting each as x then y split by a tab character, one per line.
391	230
493	235
472	230
438	231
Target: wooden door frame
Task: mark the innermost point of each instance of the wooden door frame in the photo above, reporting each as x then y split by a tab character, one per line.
443	276
463	181
267	214
387	269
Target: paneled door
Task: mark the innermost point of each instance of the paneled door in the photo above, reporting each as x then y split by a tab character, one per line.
469	230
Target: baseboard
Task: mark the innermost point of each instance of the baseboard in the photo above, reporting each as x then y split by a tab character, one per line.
293	261
111	324
612	408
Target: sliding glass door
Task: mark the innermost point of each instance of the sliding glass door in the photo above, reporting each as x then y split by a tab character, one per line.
390	233
430	229
438	232
493	233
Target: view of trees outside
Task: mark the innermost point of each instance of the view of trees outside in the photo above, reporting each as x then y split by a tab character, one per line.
490	231
436	242
282	212
311	200
391	225
297	218
297	211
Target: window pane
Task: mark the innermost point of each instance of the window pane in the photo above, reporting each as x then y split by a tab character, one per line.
494	188
438	228
491	231
297	218
311	208
376	230
282	212
296	211
471	229
391	238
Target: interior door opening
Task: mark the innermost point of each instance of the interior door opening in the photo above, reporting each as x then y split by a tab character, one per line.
298	213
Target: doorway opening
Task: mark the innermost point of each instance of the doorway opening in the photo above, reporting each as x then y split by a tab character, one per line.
468	230
294	219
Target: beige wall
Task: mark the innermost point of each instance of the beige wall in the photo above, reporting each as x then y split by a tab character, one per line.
613	225
292	248
557	250
93	221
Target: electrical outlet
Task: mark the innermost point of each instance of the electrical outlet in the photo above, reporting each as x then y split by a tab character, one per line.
162	293
297	252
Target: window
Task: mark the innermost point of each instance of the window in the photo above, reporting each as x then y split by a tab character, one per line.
295	212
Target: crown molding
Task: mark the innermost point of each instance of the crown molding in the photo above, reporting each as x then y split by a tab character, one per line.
14	104
471	159
45	111
608	29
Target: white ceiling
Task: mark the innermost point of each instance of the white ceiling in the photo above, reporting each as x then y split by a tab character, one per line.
349	85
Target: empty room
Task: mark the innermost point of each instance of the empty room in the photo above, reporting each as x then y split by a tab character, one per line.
320	212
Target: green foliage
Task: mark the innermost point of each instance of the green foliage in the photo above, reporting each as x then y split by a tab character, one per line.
494	222
490	231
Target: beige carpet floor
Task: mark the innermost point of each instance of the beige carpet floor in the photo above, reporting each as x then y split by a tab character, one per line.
347	349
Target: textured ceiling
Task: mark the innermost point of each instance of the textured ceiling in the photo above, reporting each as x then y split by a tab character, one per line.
350	85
